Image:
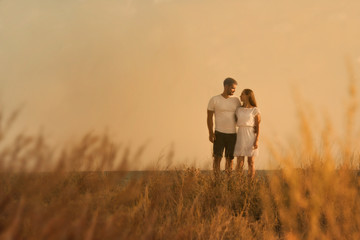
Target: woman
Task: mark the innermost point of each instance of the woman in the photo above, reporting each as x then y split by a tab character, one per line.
248	120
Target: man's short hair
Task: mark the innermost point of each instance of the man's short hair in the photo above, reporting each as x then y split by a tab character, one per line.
229	81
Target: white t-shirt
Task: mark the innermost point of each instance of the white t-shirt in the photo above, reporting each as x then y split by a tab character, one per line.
224	109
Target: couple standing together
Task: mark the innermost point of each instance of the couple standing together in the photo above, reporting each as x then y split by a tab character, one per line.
231	112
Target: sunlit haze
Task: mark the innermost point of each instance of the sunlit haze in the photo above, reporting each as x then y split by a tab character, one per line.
144	71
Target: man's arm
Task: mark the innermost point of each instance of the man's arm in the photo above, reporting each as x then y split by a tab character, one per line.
210	125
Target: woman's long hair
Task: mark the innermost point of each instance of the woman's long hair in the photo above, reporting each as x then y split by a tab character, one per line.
251	97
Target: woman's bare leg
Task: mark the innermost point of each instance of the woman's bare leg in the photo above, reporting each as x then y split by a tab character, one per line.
251	171
240	164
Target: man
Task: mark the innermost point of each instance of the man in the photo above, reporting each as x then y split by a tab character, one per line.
223	106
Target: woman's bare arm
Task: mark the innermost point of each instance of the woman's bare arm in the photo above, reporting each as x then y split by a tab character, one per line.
257	130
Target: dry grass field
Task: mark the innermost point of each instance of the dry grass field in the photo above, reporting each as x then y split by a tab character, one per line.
314	195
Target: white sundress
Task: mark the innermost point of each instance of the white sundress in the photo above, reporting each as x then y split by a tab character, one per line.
245	136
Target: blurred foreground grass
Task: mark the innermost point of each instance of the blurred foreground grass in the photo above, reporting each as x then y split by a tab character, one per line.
317	202
46	194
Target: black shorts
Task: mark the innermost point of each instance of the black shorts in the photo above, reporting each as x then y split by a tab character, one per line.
224	141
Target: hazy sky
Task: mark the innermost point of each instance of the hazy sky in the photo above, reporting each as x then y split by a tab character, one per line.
145	70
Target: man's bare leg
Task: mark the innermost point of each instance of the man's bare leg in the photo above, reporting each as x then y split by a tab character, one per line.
216	166
251	172
240	164
228	166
